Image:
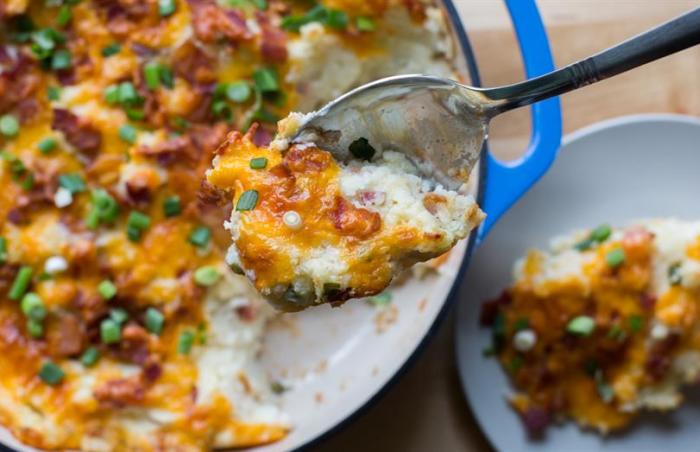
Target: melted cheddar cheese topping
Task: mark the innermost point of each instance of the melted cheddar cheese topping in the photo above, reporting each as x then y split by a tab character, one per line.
602	326
357	227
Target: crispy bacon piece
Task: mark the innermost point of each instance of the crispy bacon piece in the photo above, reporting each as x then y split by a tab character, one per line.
350	220
134	346
433	202
273	41
65	335
18	80
490	308
78	132
301	160
193	64
536	420
120	392
212	23
660	357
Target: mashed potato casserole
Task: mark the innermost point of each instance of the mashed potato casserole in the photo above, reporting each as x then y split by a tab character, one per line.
121	325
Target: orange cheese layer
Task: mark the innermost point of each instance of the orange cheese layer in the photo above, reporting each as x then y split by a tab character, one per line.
599	377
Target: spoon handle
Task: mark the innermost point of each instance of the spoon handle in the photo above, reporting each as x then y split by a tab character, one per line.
671	37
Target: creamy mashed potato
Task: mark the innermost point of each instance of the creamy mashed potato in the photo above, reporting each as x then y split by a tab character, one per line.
602	325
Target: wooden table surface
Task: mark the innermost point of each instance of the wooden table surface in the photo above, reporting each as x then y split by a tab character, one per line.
426	410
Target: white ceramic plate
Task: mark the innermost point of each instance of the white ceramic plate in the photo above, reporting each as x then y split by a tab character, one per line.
616	171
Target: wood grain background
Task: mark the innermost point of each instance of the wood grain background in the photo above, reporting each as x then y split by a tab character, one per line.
426	410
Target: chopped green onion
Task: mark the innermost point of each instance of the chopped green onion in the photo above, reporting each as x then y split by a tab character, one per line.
119	315
112	94
361	149
582	325
21	283
636	323
521	324
60	60
617	333
238	91
72	182
9	125
247	201
28	182
237	269
515	364
266	80
135	115
365	24
33	307
258	163
139	220
53	93
382	299
172	206
166	7
316	14
206	276
3	250
185	342
107	289
50	373
47	145
111	49
64	16
605	391
154	320
127	132
104	209
221	110
601	233
337	19
167	78
615	257
200	236
110	331
151	73
136	224
35	328
128	94
90	356
277	387
674	274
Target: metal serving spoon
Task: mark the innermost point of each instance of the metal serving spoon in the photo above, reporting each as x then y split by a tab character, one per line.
440	125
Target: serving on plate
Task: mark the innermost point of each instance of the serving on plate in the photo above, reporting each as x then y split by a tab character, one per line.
606	334
121	325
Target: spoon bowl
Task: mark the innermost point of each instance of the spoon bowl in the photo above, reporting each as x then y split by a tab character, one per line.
440	125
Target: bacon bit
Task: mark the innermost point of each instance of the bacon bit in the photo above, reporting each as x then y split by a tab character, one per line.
92	309
536	420
77	132
433	202
121	392
490	308
193	64
273	41
301	160
659	358
167	151
206	139
212	23
7	275
246	313
152	370
82	253
372	198
208	195
18	80
15	216
64	336
262	137
357	222
134	346
416	9
27	109
647	301
138	190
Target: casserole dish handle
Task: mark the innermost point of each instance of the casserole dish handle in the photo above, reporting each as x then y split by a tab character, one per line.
506	182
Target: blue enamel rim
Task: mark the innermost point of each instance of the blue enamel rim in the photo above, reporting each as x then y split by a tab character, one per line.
501	184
